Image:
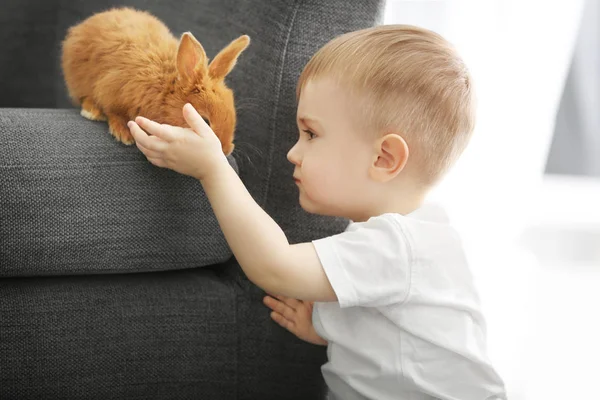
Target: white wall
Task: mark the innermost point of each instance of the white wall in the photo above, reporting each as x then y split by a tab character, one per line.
518	52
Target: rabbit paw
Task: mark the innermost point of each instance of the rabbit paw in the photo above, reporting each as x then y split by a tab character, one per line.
90	111
117	126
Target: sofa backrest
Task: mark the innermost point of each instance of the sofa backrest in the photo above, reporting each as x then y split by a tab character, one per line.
284	35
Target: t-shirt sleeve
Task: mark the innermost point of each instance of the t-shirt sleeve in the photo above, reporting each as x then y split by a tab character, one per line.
369	264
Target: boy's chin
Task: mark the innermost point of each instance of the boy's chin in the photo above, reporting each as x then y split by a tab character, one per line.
309	206
317	209
306	206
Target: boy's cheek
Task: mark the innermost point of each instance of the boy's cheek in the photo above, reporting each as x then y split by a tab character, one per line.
323	184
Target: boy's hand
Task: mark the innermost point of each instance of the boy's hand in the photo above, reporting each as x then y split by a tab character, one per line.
195	152
295	316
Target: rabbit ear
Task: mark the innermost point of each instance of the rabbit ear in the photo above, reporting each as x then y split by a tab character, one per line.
191	57
224	62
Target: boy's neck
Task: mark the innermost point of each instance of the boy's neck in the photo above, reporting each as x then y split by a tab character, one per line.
400	203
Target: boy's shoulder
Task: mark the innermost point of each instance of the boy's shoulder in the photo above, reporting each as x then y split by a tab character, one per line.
430	215
424	232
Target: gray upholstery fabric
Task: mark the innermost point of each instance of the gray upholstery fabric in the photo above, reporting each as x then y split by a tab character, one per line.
75	201
170	335
115	331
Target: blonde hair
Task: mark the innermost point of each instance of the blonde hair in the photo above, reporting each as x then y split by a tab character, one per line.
406	80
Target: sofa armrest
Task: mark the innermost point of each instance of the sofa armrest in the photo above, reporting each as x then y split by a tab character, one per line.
73	200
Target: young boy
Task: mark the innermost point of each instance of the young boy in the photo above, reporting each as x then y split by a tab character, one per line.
382	114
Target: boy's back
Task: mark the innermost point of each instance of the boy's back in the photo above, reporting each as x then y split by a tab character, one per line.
408	323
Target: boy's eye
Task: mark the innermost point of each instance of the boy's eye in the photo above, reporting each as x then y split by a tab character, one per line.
310	134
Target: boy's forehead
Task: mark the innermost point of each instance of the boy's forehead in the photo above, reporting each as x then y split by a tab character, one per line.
323	91
316	98
309	111
306	107
317	88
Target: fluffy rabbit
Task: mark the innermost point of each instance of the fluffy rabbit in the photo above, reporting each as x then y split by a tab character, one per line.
122	63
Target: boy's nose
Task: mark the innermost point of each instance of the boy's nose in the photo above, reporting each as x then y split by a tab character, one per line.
293	155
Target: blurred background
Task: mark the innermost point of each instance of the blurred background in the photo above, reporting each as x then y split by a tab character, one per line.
526	193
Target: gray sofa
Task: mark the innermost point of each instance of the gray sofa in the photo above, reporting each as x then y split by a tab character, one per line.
115	280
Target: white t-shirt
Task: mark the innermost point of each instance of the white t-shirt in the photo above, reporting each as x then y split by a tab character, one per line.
407	324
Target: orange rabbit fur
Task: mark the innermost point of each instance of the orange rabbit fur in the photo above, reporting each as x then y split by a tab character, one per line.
122	63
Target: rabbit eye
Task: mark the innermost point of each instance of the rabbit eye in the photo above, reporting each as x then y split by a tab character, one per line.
206	120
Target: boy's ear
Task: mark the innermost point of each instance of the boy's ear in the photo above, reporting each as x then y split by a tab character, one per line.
391	155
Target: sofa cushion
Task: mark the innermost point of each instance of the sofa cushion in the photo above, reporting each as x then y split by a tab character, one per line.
75	201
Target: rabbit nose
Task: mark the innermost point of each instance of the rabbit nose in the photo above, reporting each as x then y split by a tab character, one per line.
228	149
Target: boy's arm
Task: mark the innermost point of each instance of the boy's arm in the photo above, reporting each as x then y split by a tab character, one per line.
260	245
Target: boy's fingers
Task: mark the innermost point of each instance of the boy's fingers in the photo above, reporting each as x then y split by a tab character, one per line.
280	308
149	126
272	303
286	311
138	134
147	152
289	301
194	120
142	139
284	322
155	129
